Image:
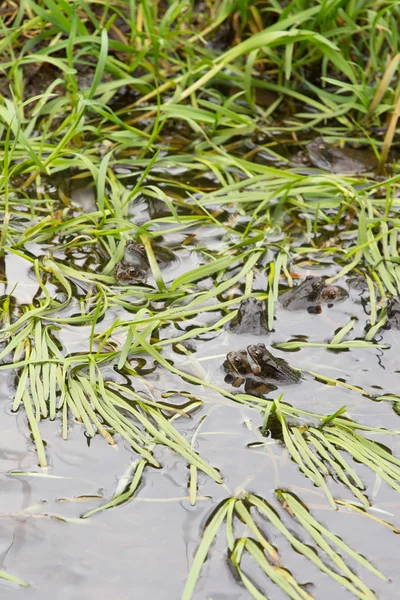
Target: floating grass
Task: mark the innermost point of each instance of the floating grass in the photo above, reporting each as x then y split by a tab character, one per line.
13	579
319	454
267	557
119	498
192	130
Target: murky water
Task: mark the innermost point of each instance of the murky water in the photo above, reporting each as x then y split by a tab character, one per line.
144	548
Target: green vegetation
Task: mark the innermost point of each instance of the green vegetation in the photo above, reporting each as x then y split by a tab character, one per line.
241	508
194	115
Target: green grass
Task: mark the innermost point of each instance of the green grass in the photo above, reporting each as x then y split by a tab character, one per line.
151	101
267	557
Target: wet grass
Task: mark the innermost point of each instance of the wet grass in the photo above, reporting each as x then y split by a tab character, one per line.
267	557
184	127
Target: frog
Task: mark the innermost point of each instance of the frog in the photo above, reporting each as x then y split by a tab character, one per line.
311	293
240	371
127	273
269	367
251	317
238	362
135	254
393	313
255	386
340	160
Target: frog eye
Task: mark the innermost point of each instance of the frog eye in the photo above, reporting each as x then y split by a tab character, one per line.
237	361
258	353
317	285
140	247
332	294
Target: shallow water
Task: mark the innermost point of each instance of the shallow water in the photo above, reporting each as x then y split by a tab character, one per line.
145	547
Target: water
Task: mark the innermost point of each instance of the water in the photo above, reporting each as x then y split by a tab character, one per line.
145	547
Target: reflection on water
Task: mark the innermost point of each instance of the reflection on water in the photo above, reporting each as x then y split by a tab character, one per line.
147	544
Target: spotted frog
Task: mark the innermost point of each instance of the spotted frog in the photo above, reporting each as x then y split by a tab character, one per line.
340	160
311	293
239	371
251	317
238	361
135	254
128	273
135	264
269	367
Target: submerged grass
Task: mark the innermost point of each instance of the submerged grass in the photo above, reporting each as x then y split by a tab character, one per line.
174	125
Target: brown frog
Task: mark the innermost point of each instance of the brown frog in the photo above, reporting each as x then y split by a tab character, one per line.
127	273
270	367
135	264
239	371
258	369
345	161
135	254
251	317
237	363
310	294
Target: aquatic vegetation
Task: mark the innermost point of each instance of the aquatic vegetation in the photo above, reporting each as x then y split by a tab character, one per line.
163	167
317	452
266	555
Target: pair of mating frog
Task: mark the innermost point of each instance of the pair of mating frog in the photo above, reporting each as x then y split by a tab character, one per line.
258	369
256	366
